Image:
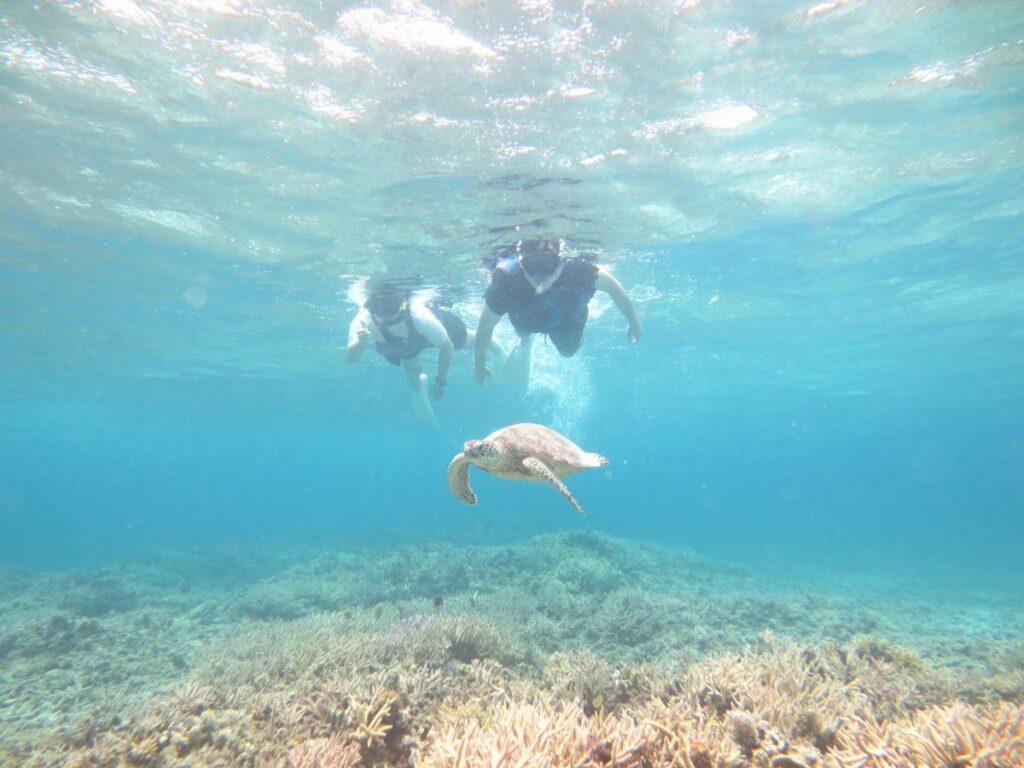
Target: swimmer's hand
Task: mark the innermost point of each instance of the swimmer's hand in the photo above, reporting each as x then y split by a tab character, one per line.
481	373
364	336
634	331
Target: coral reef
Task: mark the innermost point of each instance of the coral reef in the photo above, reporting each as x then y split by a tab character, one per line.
583	677
575	650
98	594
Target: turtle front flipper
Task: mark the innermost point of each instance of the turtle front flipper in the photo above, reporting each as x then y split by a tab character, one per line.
538	468
458	479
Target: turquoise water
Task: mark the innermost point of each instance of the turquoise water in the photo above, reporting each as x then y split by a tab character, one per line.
818	210
221	544
846	426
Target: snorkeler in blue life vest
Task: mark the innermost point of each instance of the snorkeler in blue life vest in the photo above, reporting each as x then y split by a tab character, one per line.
542	291
401	327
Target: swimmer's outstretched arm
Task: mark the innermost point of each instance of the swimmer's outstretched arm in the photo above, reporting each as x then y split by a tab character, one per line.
613	288
484	331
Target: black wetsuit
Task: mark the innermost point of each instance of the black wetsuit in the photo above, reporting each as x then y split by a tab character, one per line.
398	348
560	312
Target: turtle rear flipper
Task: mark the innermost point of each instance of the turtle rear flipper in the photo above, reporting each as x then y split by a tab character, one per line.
538	468
458	479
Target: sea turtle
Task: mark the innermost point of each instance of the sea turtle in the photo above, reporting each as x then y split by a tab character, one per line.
522	452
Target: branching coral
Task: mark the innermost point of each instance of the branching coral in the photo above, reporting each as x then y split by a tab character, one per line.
527	670
331	752
629	617
951	736
583	677
452	637
782	706
535	736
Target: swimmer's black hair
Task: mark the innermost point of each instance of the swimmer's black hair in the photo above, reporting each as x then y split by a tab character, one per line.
387	297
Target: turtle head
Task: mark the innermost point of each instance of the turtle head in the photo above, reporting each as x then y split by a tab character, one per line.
483	453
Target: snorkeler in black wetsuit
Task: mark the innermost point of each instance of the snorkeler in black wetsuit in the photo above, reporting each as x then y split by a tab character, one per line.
542	292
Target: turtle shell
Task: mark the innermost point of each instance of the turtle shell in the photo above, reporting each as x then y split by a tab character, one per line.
560	453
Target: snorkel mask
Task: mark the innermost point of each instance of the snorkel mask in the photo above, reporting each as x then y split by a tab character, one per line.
386	309
541	261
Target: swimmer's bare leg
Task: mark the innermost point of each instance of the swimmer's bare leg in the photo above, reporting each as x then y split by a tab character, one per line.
517	367
421	406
